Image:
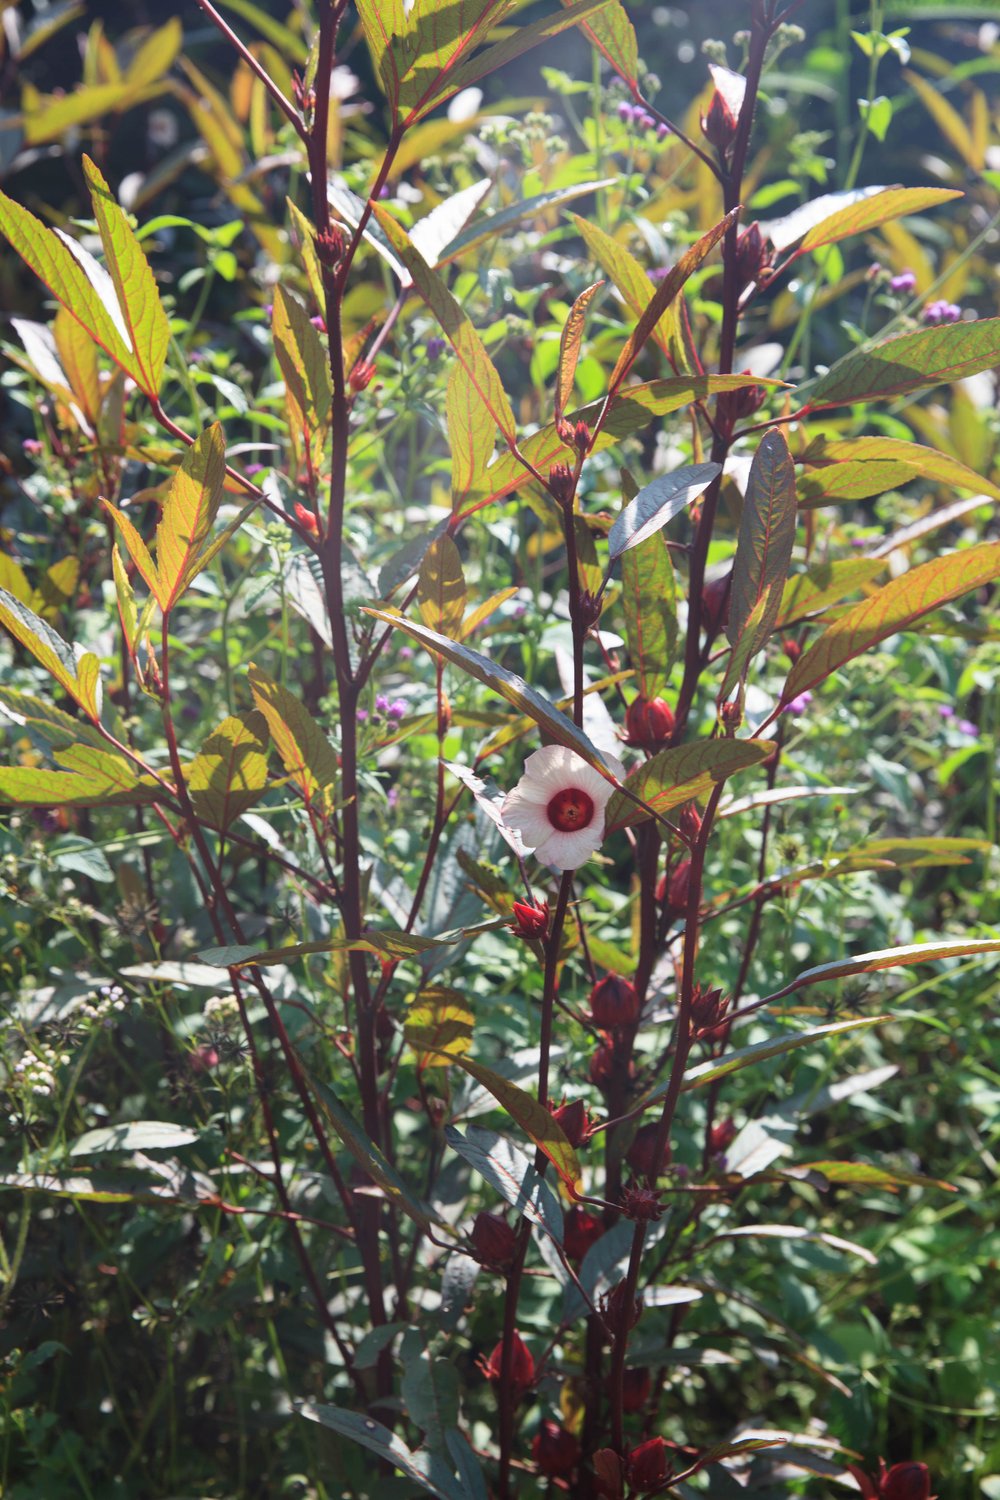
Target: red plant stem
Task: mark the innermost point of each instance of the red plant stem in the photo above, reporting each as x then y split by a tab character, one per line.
621	1333
285	105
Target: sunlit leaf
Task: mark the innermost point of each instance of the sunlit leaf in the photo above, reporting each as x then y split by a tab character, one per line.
947	118
680	774
893	608
890	958
133	1135
441	592
656	504
628	276
875	207
614	36
826	583
306	753
189	512
305	365
508	1170
439	1026
76	674
764	548
570	343
649	603
229	773
854	468
909	362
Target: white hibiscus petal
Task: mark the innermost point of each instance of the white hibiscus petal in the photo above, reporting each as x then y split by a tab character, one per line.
568	851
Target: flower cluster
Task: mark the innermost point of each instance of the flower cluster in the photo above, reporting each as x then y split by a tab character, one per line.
942	312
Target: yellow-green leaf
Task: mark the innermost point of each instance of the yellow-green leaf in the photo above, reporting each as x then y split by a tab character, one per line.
680	774
155	55
439	1026
826	583
533	1118
441	591
471	437
138	295
892	609
613	34
871	211
948	120
628	276
909	362
649	600
78	676
188	513
305	366
137	550
78	357
229	773
839	469
306	753
127	612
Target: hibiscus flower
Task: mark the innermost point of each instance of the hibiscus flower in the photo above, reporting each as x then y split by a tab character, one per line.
558	806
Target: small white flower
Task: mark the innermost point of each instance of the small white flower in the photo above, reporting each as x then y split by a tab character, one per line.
558	806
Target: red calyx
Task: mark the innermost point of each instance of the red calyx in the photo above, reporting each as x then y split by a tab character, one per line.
636	1385
689	822
649	722
614	1002
719	124
678	887
715	605
721	1135
602	1066
572	1120
522	1366
581	1231
641	1204
640	1155
531	919
307	519
708	1010
907	1481
752	256
608	1468
554	1449
648	1466
361	375
561	482
493	1241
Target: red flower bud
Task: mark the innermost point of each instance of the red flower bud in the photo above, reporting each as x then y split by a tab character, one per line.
580	1232
641	1204
647	1465
792	649
689	822
561	482
719	125
572	1120
751	255
614	1002
908	1481
361	375
522	1366
636	1386
708	1010
581	437
731	715
640	1155
555	1450
330	245
649	722
531	919
602	1066
493	1241
307	519
715	605
678	887
745	402
608	1471
721	1135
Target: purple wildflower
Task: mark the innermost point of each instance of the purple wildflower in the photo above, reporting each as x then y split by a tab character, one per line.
362	715
967	727
796	706
381	704
662	130
392	796
319	322
434	348
251	469
406	653
626	112
32	447
942	312
906	281
946	711
397	708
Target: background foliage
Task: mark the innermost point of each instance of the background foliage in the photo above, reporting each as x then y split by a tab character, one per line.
825	1269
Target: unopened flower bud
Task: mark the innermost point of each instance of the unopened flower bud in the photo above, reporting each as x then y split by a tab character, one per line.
609	1474
572	1120
678	887
719	124
614	1003
444	717
689	822
636	1386
731	715
581	437
493	1241
641	1155
361	375
554	1449
531	919
715	605
581	1230
307	519
721	1135
330	245
649	722
522	1366
561	483
751	255
792	649
648	1466
906	1481
708	1010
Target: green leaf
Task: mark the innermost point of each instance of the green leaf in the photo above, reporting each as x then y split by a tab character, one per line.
464	339
948	120
893	608
854	468
305	365
57	266
499	1162
656	504
877	207
864	1175
370	1158
613	34
890	958
910	362
427	1470
189	513
795	1232
138	552
570	343
155	55
133	1135
441	591
628	276
439	1024
680	774
76	675
533	1118
51	724
138	295
387	944
827	583
508	684
306	753
125	595
649	601
776	1046
428	1389
764	549
229	773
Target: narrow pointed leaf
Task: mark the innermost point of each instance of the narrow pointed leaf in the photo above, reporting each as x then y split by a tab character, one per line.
947	118
370	1158
426	1470
628	276
681	774
613	34
507	1169
892	609
508	684
827	583
441	592
189	512
570	343
306	753
76	676
649	602
305	365
656	504
910	362
127	612
137	550
138	295
890	958
767	536
877	207
895	453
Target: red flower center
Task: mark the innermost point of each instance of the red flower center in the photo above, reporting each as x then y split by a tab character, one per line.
571	809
